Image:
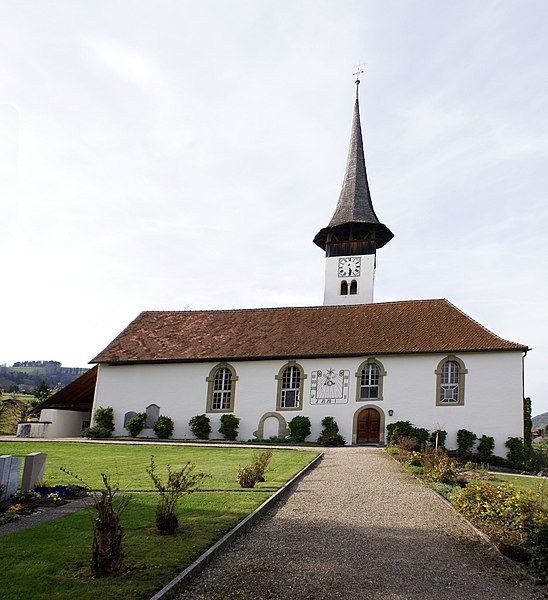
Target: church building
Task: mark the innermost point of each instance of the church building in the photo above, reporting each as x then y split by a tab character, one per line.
366	364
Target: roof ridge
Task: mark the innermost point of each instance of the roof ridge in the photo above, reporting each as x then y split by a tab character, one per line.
313	307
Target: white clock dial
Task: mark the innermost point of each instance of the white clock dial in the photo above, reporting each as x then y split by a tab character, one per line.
349	266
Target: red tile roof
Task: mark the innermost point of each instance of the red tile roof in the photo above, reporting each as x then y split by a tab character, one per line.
414	326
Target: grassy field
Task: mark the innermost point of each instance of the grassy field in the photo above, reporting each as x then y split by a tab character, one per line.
51	560
127	463
534	484
11	415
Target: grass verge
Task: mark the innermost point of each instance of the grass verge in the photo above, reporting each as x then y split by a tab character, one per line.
126	463
51	560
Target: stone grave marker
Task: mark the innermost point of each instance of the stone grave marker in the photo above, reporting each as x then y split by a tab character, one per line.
9	475
33	471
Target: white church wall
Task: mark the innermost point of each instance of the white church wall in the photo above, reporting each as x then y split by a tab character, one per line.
492	404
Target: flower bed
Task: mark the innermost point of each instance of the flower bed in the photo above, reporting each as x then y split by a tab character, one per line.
515	519
26	503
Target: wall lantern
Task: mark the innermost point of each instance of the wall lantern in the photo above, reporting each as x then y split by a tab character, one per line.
390	412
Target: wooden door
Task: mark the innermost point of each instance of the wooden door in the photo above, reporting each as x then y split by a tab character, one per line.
369	427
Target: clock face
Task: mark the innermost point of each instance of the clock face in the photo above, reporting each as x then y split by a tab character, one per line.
349	266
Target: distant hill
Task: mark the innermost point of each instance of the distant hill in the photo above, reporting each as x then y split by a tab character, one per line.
26	375
540	420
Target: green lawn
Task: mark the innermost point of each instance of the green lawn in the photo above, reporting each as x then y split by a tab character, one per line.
126	463
534	484
51	560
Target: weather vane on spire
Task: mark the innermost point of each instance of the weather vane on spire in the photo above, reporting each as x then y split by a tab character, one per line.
359	70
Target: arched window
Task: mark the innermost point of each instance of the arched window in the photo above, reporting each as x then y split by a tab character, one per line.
450	382
221	387
369	384
353	287
344	288
290	387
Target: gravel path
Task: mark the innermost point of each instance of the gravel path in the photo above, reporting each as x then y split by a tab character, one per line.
359	527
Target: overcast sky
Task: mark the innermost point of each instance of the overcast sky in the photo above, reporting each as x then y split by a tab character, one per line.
175	154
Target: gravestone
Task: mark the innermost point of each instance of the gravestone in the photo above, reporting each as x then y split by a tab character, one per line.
153	412
33	471
9	475
129	415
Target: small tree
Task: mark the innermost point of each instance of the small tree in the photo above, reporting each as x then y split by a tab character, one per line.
300	428
465	442
136	424
200	426
104	418
163	428
184	481
43	391
485	448
330	435
438	437
229	427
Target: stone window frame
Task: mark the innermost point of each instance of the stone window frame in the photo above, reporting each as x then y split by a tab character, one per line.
462	377
382	374
353	288
210	382
344	288
279	379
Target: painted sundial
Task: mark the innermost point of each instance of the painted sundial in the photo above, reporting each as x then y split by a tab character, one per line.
329	386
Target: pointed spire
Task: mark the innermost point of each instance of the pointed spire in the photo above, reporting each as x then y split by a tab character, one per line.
355	205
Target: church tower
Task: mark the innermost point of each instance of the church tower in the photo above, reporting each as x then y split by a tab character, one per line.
354	233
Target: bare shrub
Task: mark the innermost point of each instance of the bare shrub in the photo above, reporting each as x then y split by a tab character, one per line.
407	444
261	463
107	552
184	481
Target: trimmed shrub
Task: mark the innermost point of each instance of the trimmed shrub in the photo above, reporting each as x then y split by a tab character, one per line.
515	452
465	442
300	428
399	429
200	426
330	435
441	435
405	429
485	448
104	418
229	427
95	432
163	428
136	424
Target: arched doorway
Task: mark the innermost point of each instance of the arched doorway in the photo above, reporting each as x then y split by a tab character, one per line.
368	426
